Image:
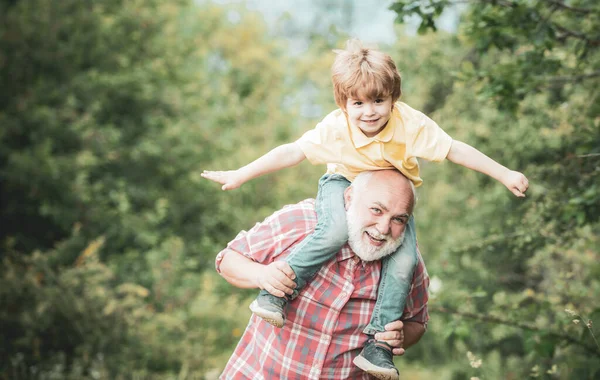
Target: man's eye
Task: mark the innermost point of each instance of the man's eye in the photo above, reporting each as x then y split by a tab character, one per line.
400	220
376	210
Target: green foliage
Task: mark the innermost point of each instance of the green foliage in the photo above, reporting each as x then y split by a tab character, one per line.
521	91
79	321
110	110
536	46
67	321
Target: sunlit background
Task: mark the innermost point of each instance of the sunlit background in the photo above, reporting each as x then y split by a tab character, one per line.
110	110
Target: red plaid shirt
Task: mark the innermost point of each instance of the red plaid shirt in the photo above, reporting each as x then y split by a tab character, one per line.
323	331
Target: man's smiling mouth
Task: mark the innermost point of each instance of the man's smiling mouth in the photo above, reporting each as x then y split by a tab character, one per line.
377	241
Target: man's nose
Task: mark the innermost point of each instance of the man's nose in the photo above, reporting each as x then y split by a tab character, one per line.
384	226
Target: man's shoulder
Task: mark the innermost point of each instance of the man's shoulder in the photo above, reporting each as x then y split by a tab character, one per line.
296	212
308	204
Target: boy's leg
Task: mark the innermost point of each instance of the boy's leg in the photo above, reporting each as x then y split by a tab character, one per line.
330	234
307	257
395	283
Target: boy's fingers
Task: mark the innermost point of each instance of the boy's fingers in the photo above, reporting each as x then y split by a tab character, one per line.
212	177
398	351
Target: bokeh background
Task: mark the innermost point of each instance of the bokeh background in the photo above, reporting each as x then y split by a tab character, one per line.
110	110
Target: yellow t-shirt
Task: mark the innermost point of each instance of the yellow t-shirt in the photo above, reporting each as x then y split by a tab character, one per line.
347	151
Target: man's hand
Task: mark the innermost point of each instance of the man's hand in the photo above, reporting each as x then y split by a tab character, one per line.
277	278
516	182
231	179
394	336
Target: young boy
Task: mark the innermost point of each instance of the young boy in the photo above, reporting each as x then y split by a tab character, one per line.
370	131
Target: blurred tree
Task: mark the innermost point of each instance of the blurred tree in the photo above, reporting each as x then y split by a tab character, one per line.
525	92
109	111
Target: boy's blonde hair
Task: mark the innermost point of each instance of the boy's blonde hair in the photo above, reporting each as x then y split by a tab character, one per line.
362	73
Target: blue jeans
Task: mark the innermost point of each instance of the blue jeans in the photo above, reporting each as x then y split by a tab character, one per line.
396	279
331	233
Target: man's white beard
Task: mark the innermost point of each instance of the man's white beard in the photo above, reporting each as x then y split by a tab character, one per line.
366	251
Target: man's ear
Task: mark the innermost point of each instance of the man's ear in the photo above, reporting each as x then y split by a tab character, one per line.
347	197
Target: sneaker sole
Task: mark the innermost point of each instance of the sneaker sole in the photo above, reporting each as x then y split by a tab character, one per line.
270	317
375	371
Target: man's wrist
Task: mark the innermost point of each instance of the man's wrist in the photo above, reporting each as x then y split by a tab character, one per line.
259	270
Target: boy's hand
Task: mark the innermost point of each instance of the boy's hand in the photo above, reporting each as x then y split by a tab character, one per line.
230	179
277	278
516	182
394	336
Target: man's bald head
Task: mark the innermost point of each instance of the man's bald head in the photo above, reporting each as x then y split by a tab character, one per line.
391	178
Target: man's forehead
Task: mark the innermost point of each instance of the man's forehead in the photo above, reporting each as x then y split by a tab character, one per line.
390	189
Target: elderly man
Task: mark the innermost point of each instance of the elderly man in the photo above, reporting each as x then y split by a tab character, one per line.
324	330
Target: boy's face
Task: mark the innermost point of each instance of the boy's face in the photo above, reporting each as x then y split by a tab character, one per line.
369	115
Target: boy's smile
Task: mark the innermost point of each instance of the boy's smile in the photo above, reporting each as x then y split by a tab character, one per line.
369	115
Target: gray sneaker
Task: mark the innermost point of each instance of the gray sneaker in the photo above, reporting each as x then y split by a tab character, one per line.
269	308
376	359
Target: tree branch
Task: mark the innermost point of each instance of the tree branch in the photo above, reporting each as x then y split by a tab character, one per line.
569	33
489	240
562	5
525	326
572	78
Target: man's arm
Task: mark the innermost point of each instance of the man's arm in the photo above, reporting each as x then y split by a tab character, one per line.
276	277
281	157
401	335
469	157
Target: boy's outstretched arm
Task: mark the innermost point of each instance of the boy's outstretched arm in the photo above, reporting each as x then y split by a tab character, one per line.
469	157
281	157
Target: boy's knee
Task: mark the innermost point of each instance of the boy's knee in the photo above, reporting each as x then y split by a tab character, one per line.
336	233
405	259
